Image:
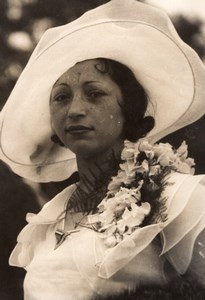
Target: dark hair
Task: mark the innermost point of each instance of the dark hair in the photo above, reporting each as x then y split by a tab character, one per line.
135	99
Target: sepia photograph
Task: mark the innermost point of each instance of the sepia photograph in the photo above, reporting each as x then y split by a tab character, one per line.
102	150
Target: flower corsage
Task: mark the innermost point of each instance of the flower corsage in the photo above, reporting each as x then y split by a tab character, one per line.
134	198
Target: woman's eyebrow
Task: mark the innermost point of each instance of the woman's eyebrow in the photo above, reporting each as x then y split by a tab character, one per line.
60	84
91	81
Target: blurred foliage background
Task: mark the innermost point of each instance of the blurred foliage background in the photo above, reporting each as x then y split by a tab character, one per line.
22	23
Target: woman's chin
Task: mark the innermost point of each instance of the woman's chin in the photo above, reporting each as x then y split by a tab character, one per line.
85	149
94	148
89	151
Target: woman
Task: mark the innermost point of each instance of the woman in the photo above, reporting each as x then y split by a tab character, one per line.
136	216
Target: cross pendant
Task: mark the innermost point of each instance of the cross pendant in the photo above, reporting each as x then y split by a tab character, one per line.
61	236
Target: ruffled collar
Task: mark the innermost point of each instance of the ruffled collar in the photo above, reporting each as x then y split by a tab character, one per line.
54	210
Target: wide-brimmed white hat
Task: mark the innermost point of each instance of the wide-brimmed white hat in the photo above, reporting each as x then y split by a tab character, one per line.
135	34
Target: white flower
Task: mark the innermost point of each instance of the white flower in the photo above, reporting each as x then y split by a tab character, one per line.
127	154
154	170
114	185
183	167
130	170
121	226
143	168
110	241
128	151
163	149
106	217
135	216
190	162
126	175
115	205
108	233
126	195
182	151
145	146
164	160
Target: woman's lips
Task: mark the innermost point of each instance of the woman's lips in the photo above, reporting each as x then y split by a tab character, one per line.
78	129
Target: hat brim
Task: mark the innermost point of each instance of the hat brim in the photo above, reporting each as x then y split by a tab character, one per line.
169	70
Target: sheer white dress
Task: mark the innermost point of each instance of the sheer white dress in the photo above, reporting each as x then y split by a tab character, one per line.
83	267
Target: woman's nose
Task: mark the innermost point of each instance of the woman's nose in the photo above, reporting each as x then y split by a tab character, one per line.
77	108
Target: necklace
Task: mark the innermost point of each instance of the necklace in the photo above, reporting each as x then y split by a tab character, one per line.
61	233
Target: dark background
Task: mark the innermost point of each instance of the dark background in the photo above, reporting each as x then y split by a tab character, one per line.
22	23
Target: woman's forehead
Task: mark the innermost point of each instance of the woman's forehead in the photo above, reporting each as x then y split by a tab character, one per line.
88	69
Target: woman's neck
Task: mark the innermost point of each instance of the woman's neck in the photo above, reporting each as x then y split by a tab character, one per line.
95	174
98	167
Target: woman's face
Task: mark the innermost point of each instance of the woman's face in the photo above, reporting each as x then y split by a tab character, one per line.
85	109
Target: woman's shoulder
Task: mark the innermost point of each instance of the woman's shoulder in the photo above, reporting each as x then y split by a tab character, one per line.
64	194
52	209
36	228
56	205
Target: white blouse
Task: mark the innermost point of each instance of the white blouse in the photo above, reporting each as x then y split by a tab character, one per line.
83	267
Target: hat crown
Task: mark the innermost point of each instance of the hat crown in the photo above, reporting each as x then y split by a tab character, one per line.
113	11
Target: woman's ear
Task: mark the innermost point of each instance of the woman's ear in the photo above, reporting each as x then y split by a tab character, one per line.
139	130
146	125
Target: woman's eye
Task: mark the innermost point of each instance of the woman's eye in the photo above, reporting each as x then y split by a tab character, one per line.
62	98
95	94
